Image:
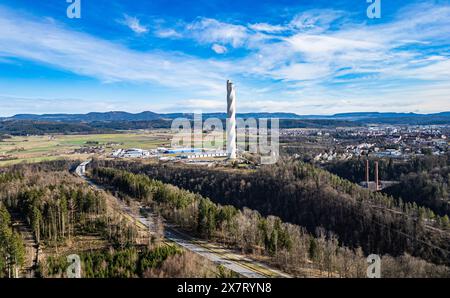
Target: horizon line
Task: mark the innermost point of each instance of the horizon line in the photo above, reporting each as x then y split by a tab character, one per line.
216	112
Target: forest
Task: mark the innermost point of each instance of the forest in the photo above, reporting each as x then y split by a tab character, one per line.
61	210
28	127
423	180
137	262
297	217
389	169
310	197
40	127
54	204
287	246
12	250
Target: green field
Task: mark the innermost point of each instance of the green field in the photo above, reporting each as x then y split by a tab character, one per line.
31	149
40	148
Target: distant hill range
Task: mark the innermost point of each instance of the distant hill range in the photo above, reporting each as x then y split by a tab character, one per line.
359	117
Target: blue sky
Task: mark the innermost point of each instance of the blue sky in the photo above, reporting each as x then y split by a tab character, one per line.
308	57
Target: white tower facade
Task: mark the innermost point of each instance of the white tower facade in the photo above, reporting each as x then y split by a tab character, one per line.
231	120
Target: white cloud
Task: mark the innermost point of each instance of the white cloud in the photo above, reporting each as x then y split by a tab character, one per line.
90	56
212	31
301	72
323	45
134	24
198	105
264	27
219	49
167	33
315	20
12	105
379	52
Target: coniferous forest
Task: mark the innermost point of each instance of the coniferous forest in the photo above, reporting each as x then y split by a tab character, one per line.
307	237
293	215
63	215
424	181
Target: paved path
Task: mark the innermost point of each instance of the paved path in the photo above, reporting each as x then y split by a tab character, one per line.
31	247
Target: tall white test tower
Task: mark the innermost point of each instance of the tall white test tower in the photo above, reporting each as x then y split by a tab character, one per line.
231	120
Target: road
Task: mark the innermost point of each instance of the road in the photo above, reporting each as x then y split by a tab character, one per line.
230	259
30	265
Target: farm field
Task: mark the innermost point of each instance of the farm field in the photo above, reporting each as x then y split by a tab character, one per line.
50	147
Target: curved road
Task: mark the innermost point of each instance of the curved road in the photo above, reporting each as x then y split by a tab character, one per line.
230	259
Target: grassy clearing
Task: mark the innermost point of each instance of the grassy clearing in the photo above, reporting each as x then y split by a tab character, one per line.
32	149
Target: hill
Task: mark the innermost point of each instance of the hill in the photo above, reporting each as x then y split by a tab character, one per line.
357	117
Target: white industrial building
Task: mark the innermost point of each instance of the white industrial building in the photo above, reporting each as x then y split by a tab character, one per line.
206	154
131	153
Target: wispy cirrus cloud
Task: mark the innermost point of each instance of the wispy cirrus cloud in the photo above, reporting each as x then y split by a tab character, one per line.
86	55
207	30
315	20
12	105
167	33
219	49
264	27
134	24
